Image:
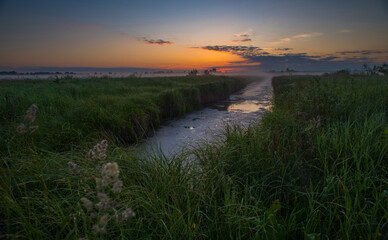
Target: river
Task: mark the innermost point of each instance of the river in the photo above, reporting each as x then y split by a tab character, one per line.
241	108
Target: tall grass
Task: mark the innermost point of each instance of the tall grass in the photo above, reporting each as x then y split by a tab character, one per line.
315	167
321	151
124	110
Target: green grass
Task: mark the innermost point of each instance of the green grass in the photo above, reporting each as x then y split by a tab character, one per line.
124	110
315	167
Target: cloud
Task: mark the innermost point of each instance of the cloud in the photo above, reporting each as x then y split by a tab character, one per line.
363	52
245	37
285	40
225	48
245	34
244	63
305	62
299	36
308	35
242	40
243	51
329	58
358	59
298	54
156	42
346	31
242	35
283	49
257	57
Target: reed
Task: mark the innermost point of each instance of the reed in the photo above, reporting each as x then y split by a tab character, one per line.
122	110
315	167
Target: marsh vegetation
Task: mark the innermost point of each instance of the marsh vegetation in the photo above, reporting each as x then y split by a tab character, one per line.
122	110
315	167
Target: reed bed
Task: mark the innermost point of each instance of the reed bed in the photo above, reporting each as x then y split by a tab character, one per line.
314	167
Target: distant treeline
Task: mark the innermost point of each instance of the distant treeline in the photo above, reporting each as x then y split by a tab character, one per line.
33	73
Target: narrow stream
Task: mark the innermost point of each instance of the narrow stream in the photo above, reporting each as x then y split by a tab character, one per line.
241	108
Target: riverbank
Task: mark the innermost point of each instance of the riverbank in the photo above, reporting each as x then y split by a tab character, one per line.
123	110
314	168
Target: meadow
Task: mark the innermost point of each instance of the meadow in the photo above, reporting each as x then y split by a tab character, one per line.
315	167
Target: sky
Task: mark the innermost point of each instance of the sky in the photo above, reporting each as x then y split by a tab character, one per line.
184	34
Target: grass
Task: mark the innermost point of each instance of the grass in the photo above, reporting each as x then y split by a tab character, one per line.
315	167
123	110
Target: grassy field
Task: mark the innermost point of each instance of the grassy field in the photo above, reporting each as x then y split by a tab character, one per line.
322	152
124	110
315	167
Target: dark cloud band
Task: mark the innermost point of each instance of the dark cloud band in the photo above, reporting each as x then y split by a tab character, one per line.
239	50
301	61
157	42
362	52
242	40
283	49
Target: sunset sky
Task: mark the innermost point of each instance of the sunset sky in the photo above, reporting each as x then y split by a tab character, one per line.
252	34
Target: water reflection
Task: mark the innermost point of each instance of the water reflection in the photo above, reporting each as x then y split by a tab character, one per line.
249	106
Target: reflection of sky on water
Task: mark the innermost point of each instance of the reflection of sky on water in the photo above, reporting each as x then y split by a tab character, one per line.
249	106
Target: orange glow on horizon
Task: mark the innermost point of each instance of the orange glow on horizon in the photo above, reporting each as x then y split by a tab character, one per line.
189	58
225	70
116	52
